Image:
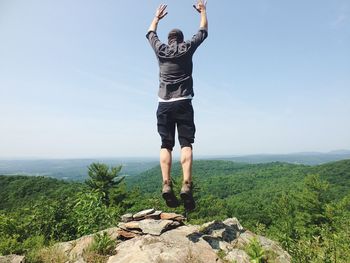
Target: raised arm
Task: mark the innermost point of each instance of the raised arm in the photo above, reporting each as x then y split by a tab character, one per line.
160	13
201	7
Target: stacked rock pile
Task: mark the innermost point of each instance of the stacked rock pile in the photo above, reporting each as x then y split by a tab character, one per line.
153	236
146	222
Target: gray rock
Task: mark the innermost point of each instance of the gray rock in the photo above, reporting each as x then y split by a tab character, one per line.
79	246
124	227
75	249
234	223
155	215
272	246
226	247
169	241
141	215
238	256
155	227
123	234
221	231
148	226
173	246
12	259
132	225
172	216
244	239
268	245
126	218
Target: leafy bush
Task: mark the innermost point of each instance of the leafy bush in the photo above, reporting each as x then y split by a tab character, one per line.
103	244
91	214
255	251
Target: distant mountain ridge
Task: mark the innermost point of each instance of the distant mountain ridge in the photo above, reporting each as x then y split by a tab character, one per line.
76	169
72	169
309	158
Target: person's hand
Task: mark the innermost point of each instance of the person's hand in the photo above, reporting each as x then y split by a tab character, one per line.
160	13
201	6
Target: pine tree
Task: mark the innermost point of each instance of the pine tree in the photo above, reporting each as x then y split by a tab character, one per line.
103	179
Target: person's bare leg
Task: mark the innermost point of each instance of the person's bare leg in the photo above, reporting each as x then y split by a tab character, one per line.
186	162
186	189
167	191
165	164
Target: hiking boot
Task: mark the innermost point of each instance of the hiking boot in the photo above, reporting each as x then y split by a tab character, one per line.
168	195
187	196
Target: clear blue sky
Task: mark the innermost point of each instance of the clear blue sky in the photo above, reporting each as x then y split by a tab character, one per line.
79	79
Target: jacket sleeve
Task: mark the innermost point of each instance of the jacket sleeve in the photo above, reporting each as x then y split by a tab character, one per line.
198	38
154	41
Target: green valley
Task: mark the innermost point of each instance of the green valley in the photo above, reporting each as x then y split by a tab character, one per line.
306	208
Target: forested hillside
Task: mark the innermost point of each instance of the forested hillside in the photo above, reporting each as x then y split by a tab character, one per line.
21	191
225	178
305	208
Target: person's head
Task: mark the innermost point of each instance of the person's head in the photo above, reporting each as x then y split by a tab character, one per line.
175	35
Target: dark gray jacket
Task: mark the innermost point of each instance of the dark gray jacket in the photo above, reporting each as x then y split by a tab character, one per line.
175	64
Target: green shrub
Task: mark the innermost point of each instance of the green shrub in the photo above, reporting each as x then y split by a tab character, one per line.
47	254
10	245
255	251
92	215
103	244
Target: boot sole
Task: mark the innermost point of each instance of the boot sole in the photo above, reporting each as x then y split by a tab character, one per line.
170	200
188	201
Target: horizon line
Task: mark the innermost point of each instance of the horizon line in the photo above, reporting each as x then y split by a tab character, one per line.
38	158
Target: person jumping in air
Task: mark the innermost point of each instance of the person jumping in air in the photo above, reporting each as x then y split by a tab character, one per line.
175	100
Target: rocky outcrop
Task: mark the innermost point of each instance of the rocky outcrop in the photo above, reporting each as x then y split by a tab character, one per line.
154	236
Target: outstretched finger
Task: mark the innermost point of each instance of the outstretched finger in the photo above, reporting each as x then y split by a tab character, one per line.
163	15
194	6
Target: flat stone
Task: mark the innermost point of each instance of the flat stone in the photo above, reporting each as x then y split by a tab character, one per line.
126	234
121	226
155	215
172	216
141	215
154	227
126	218
132	225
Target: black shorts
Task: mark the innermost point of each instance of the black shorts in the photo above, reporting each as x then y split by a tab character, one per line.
179	113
